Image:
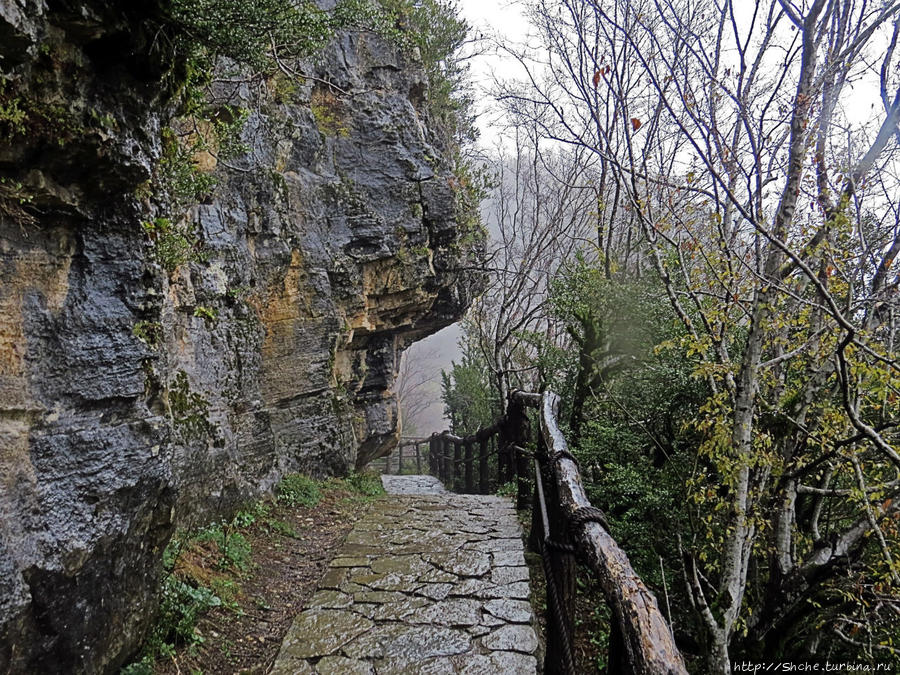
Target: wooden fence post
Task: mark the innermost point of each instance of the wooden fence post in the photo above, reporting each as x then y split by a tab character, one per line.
483	465
537	530
418	458
502	441
448	463
433	463
470	478
496	452
523	485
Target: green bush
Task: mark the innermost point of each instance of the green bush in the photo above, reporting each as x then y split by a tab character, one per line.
247	31
182	605
251	514
188	408
235	551
298	490
233	546
367	484
282	528
173	244
228	124
434	28
144	666
509	489
148	332
209	314
180	608
179	177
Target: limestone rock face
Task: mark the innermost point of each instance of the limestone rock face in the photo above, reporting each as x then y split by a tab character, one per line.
138	397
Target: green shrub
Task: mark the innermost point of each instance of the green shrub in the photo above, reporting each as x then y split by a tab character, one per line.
509	489
209	314
144	666
188	408
180	179
228	124
367	484
438	33
25	114
15	199
182	605
327	112
180	608
233	547
190	590
251	514
298	490
282	528
148	332
235	551
172	244
245	31
12	116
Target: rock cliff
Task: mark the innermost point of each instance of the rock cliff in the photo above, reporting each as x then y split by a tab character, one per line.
161	364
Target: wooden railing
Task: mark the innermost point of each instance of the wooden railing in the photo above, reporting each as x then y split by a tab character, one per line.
566	530
408	456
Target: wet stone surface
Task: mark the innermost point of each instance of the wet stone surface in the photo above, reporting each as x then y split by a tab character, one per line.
427	582
412	485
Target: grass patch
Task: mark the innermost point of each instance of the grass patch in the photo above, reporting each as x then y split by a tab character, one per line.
234	549
362	488
282	528
181	606
298	490
367	484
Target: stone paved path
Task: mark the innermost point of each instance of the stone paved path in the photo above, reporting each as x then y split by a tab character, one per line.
427	582
413	485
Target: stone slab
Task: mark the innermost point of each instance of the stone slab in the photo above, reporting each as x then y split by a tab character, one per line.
428	582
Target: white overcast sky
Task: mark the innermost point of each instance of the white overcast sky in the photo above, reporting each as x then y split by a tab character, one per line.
491	19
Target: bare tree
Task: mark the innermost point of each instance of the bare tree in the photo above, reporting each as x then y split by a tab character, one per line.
728	139
417	389
542	211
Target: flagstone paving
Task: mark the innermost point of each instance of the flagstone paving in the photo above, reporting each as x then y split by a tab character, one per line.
427	582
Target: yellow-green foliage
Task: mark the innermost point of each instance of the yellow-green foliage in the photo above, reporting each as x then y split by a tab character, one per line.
327	110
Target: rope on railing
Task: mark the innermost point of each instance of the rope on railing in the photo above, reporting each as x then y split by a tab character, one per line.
553	594
566	528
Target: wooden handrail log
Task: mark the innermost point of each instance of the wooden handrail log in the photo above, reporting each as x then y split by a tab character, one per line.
531	399
647	637
480	435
